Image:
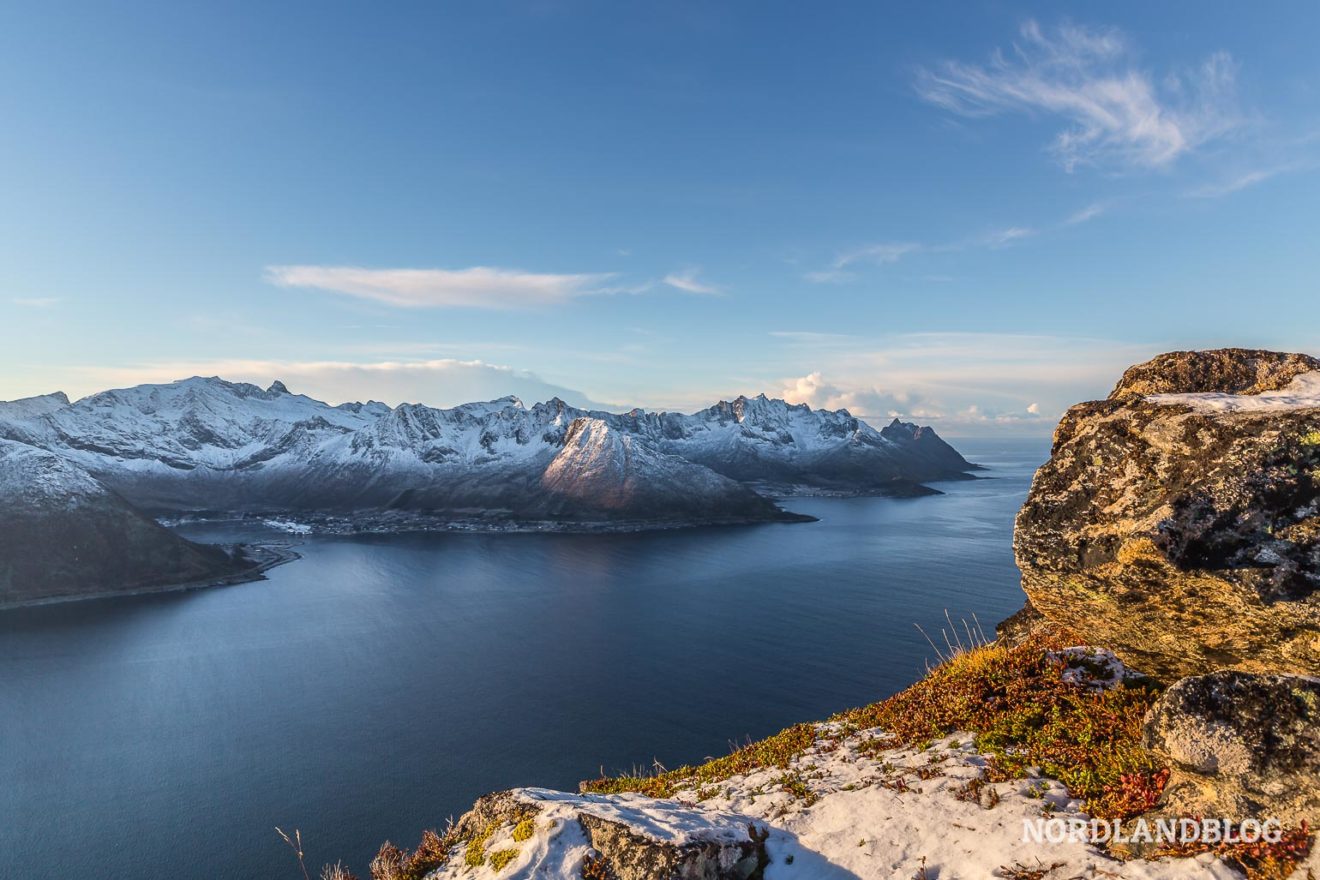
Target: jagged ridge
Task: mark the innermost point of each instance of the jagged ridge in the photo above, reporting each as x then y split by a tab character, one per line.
207	444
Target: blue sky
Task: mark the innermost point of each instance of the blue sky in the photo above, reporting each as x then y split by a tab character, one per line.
968	214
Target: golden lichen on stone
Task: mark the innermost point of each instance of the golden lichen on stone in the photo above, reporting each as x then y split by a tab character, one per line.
501	858
524	829
475	855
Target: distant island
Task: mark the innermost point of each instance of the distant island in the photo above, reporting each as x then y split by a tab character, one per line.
83	483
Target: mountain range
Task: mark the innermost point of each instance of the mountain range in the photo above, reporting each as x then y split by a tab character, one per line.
207	446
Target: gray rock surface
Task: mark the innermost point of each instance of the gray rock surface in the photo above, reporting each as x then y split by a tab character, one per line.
1185	537
1240	746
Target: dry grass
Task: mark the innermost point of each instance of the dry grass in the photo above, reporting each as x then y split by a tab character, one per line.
1023	713
1019	871
392	863
595	868
295	844
336	872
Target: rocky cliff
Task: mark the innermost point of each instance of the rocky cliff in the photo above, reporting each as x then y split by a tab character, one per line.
1178	520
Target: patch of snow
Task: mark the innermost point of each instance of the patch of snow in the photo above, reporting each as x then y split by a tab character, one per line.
289	526
1095	668
1303	392
873	813
664	821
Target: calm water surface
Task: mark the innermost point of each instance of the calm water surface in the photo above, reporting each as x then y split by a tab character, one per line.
378	685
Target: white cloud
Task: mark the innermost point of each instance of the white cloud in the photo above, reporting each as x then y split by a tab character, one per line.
865	403
479	287
892	252
1090	212
881	254
36	302
960	382
1113	111
889	252
439	382
1003	237
1242	181
828	276
1248	179
689	281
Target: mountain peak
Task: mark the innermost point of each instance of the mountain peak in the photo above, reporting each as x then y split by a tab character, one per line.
277	387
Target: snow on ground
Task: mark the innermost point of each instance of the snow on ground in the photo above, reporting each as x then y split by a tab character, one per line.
288	526
1302	393
858	811
1096	668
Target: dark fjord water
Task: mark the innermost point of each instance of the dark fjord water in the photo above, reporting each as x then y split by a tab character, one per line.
378	685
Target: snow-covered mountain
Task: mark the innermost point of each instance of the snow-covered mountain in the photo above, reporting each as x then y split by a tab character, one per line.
211	445
601	469
63	533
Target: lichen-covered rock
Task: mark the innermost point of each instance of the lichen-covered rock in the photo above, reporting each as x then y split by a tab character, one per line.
632	855
1224	370
1240	746
1178	521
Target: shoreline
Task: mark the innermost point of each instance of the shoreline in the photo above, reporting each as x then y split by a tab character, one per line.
264	556
403	524
397	522
269	554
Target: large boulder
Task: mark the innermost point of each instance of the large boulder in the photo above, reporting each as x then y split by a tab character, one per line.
1240	746
1178	521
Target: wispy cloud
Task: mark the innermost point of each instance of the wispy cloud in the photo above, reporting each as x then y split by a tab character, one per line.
1268	154
1008	235
1246	180
884	253
479	287
36	302
1090	212
828	276
1241	182
689	281
814	339
1114	112
880	254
